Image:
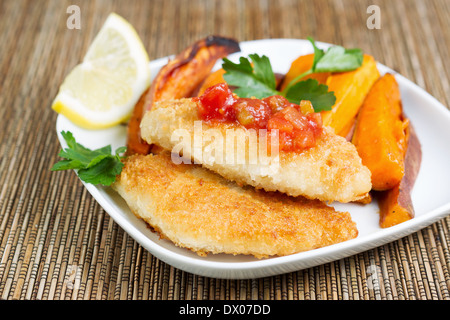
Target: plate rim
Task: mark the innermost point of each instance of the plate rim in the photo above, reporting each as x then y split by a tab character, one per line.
283	264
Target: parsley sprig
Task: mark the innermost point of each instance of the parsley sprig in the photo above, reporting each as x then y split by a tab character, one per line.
251	81
256	78
97	166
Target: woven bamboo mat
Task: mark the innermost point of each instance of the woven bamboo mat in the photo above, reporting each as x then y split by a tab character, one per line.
56	242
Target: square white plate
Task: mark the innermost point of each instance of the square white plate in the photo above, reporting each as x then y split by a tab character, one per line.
431	194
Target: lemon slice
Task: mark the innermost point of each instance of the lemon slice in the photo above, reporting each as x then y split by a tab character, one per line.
102	90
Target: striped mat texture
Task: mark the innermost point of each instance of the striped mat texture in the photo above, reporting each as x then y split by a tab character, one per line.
56	241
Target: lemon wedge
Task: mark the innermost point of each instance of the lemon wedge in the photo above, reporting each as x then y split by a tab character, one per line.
102	90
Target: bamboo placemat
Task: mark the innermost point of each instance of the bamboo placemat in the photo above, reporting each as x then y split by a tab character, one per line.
56	242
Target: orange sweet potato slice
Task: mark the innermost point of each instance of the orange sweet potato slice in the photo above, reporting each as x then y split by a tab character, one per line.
396	204
134	142
301	65
380	134
212	79
350	89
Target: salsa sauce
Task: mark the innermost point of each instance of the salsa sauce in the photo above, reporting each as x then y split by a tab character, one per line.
298	125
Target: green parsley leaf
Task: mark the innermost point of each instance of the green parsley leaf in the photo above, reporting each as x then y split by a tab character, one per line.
80	156
120	150
104	172
251	81
65	165
318	53
263	70
94	166
339	59
311	90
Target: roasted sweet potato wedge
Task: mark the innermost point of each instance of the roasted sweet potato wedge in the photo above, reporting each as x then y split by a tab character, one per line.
134	142
301	65
212	79
395	204
181	76
350	89
380	134
179	79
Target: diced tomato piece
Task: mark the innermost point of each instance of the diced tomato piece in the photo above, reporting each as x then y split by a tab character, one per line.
252	113
276	103
304	139
286	142
295	117
315	120
216	103
280	123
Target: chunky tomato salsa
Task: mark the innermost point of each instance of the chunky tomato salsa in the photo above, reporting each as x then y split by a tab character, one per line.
298	125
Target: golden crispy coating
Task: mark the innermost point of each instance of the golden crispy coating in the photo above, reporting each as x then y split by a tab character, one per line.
330	171
198	209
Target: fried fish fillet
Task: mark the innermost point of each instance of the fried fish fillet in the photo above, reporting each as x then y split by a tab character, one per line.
200	210
330	171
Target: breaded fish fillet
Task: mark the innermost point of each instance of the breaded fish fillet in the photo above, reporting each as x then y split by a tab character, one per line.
330	171
198	209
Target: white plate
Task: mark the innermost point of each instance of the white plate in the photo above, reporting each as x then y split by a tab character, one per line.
431	194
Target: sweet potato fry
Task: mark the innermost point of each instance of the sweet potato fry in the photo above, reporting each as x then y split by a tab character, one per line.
349	130
380	134
301	65
350	89
179	79
212	79
395	204
134	143
181	76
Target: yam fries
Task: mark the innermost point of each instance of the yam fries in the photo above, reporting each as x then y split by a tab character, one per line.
368	112
350	89
299	66
389	147
396	204
380	134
